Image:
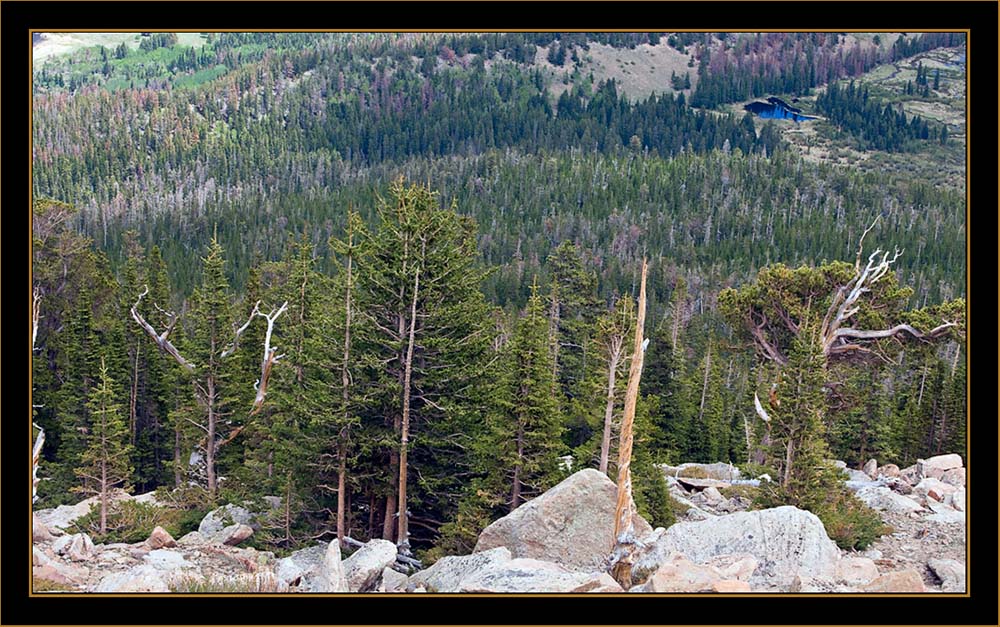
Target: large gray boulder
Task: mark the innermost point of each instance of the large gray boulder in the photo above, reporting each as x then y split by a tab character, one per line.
330	577
299	568
530	575
884	499
950	572
571	524
64	516
719	470
448	573
935	467
142	578
785	541
77	547
364	568
313	569
220	518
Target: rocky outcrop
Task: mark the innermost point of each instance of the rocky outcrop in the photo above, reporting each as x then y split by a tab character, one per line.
950	572
220	518
856	571
719	471
160	539
884	499
785	541
899	581
930	488
77	547
678	574
363	569
935	467
571	524
40	532
330	577
232	535
48	567
313	569
870	468
955	477
392	581
530	575
447	574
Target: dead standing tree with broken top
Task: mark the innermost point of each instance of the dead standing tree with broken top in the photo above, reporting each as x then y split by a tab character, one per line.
211	313
621	560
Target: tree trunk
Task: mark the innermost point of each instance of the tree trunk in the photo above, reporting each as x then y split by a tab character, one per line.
389	522
341	483
403	541
210	442
104	497
788	462
345	380
132	426
609	409
704	383
177	456
515	496
624	539
554	333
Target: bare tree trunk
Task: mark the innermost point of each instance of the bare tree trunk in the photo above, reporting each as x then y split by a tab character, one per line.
341	486
389	523
210	441
788	462
104	497
403	541
704	384
515	496
288	508
177	456
609	409
554	333
132	397
345	378
621	561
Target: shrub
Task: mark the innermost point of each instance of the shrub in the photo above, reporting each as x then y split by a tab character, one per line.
130	522
848	521
45	585
265	581
652	496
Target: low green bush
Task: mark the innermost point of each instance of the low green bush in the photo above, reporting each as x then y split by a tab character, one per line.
130	522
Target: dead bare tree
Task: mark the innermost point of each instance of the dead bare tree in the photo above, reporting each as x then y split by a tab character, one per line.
36	454
270	357
206	392
621	559
611	341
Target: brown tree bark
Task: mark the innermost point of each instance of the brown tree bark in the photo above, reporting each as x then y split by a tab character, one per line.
621	563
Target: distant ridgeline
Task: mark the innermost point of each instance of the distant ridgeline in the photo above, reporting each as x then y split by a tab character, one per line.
777	109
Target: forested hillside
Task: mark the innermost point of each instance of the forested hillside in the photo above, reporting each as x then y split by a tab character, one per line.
391	279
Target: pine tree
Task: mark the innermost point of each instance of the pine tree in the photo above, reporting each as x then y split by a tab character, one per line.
105	461
525	424
574	310
421	293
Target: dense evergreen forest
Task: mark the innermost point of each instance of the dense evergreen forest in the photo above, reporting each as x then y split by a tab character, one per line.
390	279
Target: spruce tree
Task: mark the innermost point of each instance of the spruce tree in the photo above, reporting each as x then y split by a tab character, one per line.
105	461
525	424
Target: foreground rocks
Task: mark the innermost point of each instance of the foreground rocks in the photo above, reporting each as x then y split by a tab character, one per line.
561	542
572	524
785	541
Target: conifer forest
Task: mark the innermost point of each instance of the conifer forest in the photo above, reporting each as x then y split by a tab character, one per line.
387	286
